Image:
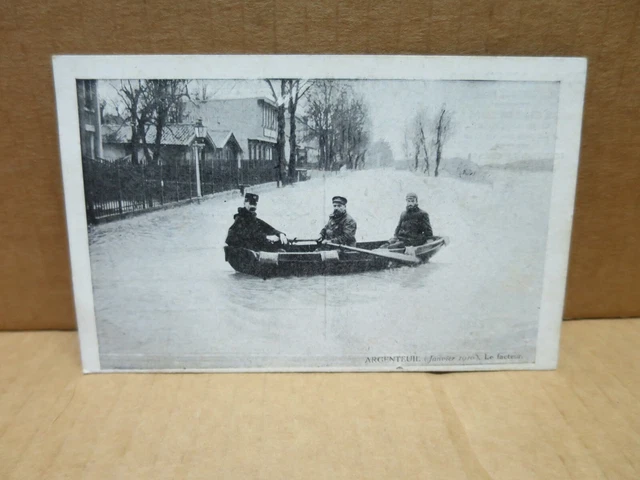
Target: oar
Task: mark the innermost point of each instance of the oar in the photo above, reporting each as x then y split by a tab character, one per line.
399	257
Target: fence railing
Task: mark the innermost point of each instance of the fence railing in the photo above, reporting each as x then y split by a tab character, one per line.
254	172
117	187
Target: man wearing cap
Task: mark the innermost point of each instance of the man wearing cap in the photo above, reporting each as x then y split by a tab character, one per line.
248	231
414	227
341	228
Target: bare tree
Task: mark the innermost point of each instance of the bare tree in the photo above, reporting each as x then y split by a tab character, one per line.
443	130
321	103
351	129
340	121
423	142
280	100
297	90
425	138
165	101
137	114
151	103
414	134
162	101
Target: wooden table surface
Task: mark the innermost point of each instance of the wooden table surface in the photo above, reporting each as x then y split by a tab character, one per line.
581	421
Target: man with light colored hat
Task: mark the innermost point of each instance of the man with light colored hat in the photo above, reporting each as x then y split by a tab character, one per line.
341	227
248	231
414	227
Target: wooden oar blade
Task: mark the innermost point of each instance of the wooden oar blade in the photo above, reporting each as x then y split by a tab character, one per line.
399	257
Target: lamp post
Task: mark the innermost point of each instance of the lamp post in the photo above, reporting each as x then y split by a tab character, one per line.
198	145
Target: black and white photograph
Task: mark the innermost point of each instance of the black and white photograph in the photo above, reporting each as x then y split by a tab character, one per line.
319	213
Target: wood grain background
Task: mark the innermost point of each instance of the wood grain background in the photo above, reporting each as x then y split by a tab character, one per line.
604	271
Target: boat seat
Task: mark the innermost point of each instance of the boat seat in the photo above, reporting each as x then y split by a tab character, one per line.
268	257
330	255
410	250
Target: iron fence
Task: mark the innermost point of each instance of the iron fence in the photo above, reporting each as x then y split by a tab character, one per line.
117	187
254	172
218	176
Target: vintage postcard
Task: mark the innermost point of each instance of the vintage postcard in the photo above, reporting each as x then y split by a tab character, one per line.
319	213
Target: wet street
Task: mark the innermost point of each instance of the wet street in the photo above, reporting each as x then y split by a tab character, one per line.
165	297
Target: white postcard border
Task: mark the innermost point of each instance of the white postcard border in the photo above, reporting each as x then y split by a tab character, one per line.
570	72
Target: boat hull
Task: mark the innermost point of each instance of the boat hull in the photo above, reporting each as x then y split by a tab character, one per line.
304	260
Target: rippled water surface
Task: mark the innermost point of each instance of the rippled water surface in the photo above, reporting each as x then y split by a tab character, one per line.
165	297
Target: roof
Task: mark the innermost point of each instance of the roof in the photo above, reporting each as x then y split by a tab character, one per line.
244	98
172	134
220	137
242	116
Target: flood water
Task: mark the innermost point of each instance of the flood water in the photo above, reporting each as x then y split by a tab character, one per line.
165	297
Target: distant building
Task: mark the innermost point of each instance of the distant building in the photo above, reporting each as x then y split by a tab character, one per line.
308	152
89	117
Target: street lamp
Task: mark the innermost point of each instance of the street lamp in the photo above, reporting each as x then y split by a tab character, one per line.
198	145
201	131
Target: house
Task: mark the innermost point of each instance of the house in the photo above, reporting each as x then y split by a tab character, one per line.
193	161
89	118
254	122
177	146
227	146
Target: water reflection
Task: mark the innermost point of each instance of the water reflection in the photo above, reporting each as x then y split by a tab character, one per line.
162	286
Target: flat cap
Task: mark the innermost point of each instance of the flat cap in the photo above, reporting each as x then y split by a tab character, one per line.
252	198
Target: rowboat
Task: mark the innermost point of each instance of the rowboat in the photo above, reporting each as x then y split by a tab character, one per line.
299	259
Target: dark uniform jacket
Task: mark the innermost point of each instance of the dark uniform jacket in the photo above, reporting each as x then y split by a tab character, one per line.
414	227
248	231
340	229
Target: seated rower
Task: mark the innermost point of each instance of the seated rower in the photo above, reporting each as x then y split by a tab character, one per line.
414	227
248	231
341	227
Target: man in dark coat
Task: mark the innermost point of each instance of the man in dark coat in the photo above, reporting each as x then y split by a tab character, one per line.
248	231
413	228
341	228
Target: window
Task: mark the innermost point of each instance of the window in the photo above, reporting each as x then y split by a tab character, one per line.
269	116
88	94
92	146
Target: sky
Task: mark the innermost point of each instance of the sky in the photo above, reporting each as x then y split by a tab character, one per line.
493	121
